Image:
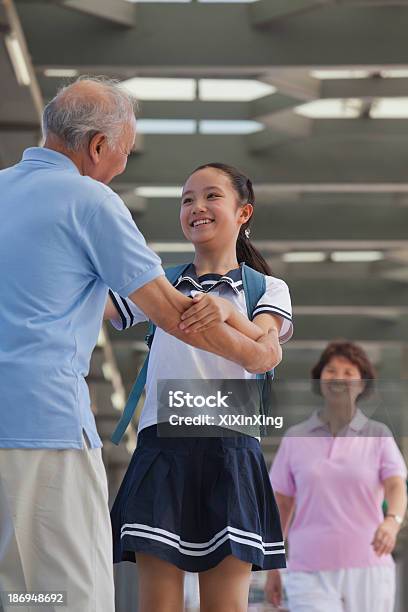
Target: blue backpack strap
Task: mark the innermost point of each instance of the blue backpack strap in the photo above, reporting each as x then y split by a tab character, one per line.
131	404
254	284
172	275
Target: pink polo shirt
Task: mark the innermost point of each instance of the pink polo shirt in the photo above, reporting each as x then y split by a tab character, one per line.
337	485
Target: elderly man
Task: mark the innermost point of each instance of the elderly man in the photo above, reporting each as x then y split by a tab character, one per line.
65	237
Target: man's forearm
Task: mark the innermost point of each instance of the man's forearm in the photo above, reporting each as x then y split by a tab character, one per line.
224	340
164	305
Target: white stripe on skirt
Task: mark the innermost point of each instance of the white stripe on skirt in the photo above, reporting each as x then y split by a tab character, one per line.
172	539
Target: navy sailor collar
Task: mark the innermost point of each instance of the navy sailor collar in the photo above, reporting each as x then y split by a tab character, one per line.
206	282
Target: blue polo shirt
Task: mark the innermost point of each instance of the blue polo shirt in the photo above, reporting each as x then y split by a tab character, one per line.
64	239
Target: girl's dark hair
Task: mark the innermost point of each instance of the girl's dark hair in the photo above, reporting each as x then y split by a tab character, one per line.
246	252
355	354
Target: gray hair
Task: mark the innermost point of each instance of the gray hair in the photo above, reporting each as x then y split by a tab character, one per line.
88	106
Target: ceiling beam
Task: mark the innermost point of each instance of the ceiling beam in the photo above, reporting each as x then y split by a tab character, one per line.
265	140
265	13
323	38
197	109
353	292
286	222
293	82
373	87
358	129
330	161
117	12
259	109
263	108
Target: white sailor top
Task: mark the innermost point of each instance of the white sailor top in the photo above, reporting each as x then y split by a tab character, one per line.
171	358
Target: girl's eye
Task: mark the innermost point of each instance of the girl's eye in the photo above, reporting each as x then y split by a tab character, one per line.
187	201
213	195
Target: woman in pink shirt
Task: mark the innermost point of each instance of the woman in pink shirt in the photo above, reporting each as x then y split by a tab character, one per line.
330	476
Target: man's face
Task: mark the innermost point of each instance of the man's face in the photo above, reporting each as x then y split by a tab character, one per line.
104	162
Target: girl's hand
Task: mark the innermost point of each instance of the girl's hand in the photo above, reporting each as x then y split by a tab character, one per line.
206	311
385	537
273	588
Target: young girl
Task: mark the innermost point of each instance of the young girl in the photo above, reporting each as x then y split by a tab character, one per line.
203	504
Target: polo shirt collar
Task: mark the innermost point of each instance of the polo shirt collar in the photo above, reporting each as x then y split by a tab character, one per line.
356	424
233	279
358	421
49	157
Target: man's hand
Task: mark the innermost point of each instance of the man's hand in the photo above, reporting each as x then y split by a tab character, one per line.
206	311
268	354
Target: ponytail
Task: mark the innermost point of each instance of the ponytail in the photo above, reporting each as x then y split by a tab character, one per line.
247	253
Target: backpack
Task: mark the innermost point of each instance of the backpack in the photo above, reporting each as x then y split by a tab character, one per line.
254	285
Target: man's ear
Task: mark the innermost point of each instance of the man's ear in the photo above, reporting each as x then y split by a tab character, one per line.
96	145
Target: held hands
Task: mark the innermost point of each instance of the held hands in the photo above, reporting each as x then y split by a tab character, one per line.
273	588
206	311
385	537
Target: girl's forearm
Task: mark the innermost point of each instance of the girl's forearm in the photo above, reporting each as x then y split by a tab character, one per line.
241	323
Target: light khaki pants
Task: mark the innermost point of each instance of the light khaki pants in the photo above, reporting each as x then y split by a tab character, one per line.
55	531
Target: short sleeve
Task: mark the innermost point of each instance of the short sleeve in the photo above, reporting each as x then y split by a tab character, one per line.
391	462
280	474
276	300
116	248
129	313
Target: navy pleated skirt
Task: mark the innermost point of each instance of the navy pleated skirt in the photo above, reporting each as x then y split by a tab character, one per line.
194	501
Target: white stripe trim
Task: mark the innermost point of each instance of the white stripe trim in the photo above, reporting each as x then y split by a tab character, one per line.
125	312
175	539
122	310
201	553
188	278
212	282
247	534
266	308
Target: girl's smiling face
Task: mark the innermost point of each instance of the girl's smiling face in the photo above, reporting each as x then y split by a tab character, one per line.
210	209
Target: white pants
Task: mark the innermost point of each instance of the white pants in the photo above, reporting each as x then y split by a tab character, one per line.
370	589
55	531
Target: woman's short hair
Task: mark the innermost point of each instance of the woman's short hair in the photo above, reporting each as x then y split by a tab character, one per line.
353	353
